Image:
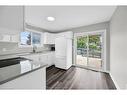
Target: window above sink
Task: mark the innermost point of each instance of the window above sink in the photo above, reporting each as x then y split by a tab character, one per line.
29	39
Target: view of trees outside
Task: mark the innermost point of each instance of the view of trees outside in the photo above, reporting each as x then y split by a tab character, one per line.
82	42
89	51
94	43
95	46
82	46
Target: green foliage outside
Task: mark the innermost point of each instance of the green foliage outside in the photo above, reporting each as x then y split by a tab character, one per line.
94	42
82	42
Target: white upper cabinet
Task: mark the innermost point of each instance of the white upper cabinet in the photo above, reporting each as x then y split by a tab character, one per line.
9	38
67	34
14	38
11	23
49	38
4	38
11	19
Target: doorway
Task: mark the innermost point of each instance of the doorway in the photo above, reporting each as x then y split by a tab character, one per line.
89	50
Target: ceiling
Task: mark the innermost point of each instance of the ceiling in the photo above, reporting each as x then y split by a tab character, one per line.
67	17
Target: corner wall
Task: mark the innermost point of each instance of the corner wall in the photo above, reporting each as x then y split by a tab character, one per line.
118	47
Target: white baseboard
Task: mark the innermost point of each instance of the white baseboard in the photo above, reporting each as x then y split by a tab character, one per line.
90	68
117	86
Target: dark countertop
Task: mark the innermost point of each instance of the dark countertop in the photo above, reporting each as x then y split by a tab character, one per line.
16	67
7	56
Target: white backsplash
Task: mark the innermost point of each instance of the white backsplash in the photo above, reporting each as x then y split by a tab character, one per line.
7	49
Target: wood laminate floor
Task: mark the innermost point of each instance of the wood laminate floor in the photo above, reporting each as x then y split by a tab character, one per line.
77	78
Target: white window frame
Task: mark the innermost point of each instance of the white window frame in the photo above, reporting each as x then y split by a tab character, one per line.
104	68
28	46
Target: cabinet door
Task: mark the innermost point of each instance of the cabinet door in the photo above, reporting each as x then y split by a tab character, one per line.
49	38
52	55
5	38
15	38
44	58
46	38
11	19
50	59
52	40
33	80
47	58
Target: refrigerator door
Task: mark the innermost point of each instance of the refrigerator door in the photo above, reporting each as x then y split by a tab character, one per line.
60	63
60	46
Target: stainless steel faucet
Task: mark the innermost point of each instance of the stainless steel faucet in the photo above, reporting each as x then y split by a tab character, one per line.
34	48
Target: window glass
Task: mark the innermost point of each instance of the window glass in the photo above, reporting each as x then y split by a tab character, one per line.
25	38
36	38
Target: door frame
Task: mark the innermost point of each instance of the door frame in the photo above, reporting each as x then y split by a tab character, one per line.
103	32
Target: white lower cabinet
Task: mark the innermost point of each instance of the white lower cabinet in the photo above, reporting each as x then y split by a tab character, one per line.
43	58
51	58
33	80
47	58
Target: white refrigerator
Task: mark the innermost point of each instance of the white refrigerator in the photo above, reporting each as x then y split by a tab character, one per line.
63	52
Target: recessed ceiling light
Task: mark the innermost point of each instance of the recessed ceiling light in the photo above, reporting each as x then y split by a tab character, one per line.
50	18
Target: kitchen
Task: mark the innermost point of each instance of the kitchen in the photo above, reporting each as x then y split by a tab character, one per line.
56	47
39	60
24	61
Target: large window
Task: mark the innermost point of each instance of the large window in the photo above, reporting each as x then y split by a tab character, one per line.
30	38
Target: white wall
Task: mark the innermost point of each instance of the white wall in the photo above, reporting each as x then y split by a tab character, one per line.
118	46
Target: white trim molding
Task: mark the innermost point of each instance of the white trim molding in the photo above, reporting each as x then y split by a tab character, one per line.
114	81
104	57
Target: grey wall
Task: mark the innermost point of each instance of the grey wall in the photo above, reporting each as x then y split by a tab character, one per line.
94	27
119	46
